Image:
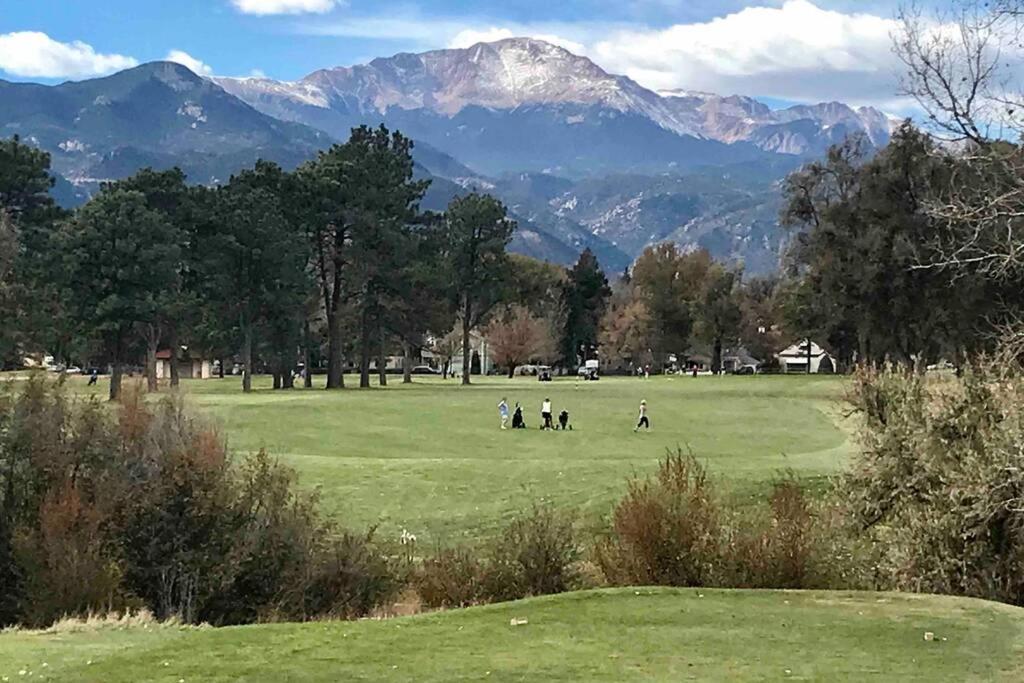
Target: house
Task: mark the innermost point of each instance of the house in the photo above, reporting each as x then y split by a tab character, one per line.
189	366
480	355
795	359
698	358
734	360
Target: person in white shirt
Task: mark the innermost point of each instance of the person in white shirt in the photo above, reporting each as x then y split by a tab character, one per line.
643	421
545	413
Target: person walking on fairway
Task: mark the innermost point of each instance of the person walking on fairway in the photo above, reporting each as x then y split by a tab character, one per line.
643	421
545	413
503	412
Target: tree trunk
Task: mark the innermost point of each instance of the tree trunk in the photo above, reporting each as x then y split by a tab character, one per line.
152	346
223	362
247	361
467	310
716	356
335	369
288	379
382	361
808	355
364	352
307	380
172	340
511	370
116	369
277	379
115	380
406	363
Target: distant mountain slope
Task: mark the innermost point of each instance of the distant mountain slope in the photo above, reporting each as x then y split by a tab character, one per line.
158	114
800	130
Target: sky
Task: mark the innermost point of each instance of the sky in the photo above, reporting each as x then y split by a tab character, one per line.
778	50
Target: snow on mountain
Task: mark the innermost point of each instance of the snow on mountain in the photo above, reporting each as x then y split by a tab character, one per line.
254	88
502	75
522	72
800	129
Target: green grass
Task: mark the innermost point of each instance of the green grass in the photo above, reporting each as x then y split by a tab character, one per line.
613	635
429	457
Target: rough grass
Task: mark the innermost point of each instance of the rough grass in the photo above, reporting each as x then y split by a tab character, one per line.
612	635
429	457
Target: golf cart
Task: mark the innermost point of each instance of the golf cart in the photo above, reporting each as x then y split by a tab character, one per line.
543	373
588	371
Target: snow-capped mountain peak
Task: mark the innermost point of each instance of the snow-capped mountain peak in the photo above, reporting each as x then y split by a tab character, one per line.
524	72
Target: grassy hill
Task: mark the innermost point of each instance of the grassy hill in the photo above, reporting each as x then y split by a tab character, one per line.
612	635
429	457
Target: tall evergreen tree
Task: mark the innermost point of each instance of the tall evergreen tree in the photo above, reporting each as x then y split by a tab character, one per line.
119	257
258	262
477	233
360	198
167	193
384	205
34	317
585	297
10	334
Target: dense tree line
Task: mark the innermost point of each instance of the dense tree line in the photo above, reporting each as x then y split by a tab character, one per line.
330	267
334	266
862	260
332	262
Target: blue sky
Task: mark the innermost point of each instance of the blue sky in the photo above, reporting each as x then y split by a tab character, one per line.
783	50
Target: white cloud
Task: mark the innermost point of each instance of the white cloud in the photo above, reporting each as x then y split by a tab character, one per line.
187	60
797	51
32	54
471	36
265	7
257	73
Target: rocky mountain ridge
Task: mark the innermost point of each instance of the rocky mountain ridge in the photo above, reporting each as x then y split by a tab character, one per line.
524	73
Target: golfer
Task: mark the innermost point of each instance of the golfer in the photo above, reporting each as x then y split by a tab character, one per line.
545	413
643	421
503	412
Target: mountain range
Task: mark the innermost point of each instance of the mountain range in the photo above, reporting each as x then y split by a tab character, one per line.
582	157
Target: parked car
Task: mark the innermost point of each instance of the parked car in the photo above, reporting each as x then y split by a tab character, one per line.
543	373
425	370
745	370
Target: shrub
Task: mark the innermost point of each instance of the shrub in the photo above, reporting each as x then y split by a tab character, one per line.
103	510
939	482
451	577
773	547
667	529
66	561
536	554
350	578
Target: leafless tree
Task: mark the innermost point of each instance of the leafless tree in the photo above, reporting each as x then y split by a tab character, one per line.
962	68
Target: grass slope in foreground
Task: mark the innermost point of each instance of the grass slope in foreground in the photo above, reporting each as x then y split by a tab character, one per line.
610	635
429	457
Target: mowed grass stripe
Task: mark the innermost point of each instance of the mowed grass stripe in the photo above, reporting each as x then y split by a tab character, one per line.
608	635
